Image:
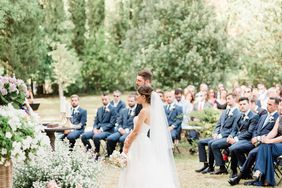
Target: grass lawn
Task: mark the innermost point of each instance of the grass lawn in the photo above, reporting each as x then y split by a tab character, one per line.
186	163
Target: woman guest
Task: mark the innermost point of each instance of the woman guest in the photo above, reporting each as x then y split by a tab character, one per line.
268	152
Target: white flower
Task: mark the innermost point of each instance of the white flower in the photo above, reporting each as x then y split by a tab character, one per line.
4	151
8	135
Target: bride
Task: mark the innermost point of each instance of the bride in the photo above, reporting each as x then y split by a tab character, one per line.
150	161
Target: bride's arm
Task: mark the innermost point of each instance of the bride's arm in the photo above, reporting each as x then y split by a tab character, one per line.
131	137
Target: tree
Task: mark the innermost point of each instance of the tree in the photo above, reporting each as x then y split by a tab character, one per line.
182	42
22	49
66	67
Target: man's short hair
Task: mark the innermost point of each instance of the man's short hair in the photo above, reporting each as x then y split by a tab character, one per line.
74	96
232	94
132	95
146	74
105	94
178	91
244	99
117	92
276	100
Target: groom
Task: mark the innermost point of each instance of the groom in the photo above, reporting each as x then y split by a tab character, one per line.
144	77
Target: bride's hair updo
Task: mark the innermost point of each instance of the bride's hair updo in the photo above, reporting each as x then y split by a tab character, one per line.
146	91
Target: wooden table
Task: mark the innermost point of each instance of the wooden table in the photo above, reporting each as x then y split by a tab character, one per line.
51	132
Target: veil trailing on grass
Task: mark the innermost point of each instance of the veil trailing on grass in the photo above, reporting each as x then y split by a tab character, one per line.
162	142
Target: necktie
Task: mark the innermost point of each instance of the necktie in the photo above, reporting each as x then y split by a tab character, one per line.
227	112
243	116
129	113
72	113
168	107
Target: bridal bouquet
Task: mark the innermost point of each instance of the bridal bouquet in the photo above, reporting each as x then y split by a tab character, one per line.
118	159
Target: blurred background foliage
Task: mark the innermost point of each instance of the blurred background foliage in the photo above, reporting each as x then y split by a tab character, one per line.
182	41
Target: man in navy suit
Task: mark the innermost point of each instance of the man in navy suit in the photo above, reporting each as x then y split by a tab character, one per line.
264	126
144	77
103	125
174	116
123	126
79	118
117	102
241	134
224	127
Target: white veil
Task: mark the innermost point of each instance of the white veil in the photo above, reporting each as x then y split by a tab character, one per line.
162	142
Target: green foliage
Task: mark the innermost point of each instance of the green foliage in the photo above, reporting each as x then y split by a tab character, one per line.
21	46
181	42
78	16
207	119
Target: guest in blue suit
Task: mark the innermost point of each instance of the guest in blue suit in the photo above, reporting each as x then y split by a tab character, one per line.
103	125
123	126
267	153
78	117
264	126
224	127
117	102
174	116
241	134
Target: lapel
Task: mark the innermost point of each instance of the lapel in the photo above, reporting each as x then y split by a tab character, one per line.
171	111
262	122
222	120
245	122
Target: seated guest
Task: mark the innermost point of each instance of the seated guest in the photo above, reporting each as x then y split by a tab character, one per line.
117	102
202	102
103	125
221	101
179	98
264	126
241	134
174	116
224	127
124	125
78	117
268	151
258	110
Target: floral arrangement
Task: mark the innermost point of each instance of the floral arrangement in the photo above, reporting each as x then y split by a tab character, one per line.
118	159
20	135
12	91
67	169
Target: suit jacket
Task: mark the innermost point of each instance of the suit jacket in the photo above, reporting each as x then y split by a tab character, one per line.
121	105
125	119
260	130
245	127
226	122
206	105
79	118
174	116
105	119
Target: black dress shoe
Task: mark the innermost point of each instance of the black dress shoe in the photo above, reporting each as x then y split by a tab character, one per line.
234	181
220	171
249	182
233	174
201	169
208	170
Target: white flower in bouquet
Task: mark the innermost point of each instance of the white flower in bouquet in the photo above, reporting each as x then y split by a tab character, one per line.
118	159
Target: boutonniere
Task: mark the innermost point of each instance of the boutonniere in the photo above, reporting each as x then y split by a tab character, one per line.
172	107
246	118
132	113
271	119
230	114
107	109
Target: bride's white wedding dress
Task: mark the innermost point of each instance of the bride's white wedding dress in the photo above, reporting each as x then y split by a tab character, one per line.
148	166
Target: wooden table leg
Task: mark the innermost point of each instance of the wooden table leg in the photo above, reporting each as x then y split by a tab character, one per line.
51	135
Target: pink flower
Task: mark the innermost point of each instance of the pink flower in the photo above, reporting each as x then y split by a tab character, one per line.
4	91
